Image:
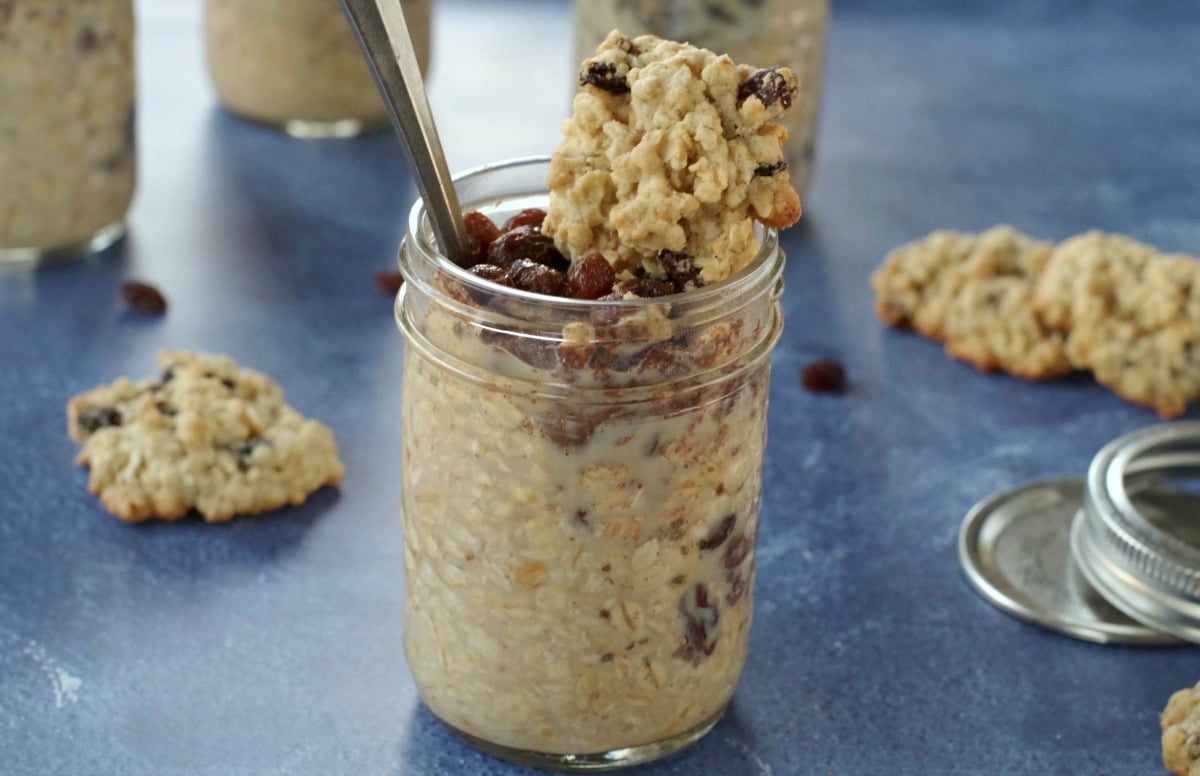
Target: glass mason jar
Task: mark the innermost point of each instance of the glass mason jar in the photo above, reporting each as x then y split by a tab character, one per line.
67	155
296	65
763	33
581	485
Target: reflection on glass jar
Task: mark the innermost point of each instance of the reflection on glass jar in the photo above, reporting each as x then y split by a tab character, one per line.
295	64
764	33
67	155
581	491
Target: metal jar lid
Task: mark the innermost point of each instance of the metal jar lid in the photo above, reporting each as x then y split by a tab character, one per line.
1137	538
1113	558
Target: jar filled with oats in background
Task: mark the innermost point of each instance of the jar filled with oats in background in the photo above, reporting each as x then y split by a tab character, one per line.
67	156
295	64
764	33
581	484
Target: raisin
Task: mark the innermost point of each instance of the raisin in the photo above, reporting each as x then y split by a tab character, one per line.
603	75
825	376
95	418
86	40
246	449
537	278
647	288
167	376
532	351
480	233
525	242
389	282
717	536
680	267
737	551
568	433
737	589
591	277
490	272
143	297
767	170
574	356
700	618
769	86
530	216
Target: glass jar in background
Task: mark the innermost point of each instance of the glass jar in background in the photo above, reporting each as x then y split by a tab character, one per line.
67	153
764	33
295	64
581	484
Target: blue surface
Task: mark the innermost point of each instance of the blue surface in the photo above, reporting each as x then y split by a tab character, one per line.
273	645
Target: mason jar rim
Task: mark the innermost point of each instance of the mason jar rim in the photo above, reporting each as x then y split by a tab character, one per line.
712	297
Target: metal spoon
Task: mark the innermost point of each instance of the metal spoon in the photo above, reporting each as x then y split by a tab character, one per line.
383	36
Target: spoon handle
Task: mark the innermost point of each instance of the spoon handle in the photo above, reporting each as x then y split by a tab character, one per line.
383	36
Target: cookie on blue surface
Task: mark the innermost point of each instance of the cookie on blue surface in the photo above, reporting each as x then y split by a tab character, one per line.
1181	732
974	294
206	435
1131	314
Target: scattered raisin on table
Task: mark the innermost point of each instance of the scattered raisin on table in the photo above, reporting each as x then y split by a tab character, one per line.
389	282
825	376
143	297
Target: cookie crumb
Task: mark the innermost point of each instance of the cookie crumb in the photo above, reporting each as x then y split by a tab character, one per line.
824	376
143	297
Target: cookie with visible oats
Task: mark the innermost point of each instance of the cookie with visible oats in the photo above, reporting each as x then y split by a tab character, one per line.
207	435
1132	316
671	155
1181	732
974	293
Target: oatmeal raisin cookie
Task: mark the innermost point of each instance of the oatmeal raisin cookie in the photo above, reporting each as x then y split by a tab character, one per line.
1181	732
670	157
974	293
1132	316
205	435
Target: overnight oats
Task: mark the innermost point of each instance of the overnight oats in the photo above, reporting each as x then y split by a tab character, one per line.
67	155
295	64
784	32
584	416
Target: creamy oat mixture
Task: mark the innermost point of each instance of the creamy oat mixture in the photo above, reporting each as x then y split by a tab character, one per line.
281	61
579	575
758	32
67	156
